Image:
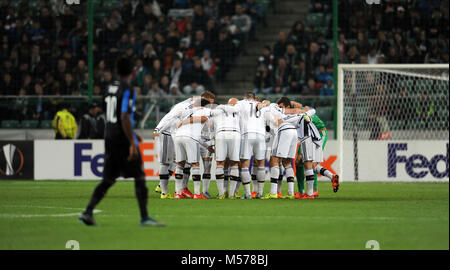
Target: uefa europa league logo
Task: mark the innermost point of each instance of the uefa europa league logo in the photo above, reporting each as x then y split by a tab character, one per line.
8	151
13	160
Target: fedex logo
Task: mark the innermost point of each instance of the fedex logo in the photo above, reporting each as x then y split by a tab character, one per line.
82	156
416	166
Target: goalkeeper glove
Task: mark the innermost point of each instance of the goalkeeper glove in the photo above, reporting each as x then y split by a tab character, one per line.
307	118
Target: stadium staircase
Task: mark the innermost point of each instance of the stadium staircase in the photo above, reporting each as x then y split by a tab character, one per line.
280	18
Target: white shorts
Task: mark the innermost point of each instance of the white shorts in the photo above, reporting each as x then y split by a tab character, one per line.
166	151
253	144
285	144
186	149
227	145
311	151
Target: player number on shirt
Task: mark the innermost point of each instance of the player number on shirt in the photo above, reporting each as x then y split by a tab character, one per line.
111	105
254	109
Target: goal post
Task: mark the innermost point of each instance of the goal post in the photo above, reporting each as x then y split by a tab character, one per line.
393	122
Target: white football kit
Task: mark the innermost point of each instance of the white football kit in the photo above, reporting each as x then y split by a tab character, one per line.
253	130
165	128
284	143
187	138
309	137
227	135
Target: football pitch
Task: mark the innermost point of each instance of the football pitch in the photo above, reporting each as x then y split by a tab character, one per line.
43	215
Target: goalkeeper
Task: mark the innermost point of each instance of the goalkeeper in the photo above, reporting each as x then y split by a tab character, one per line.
300	170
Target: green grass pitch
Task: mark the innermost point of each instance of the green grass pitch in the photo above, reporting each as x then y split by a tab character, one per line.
42	215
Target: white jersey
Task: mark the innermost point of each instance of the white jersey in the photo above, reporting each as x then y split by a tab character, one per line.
226	118
272	114
304	129
169	122
252	119
193	130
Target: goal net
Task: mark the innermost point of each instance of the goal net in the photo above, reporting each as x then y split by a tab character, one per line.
392	122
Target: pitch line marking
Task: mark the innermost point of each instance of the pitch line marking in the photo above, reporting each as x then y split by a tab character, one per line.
42	215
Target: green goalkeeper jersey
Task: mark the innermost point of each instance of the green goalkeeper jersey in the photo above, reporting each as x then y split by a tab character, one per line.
318	122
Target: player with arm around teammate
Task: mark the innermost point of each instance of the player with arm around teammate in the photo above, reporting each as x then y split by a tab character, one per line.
227	137
166	151
318	169
253	142
187	141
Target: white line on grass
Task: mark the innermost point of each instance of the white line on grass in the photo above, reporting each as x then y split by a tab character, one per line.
3	215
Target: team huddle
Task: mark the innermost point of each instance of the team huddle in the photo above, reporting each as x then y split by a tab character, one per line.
198	128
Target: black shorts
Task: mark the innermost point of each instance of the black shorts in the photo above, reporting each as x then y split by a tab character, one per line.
117	164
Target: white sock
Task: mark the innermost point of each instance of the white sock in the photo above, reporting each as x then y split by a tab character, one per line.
163	177
291	188
273	188
226	181
254	185
261	177
232	187
185	180
186	176
206	182
290	179
206	175
274	173
178	179
219	180
234	176
164	183
220	186
238	186
197	179
309	173
197	187
261	188
279	184
178	186
321	170
246	179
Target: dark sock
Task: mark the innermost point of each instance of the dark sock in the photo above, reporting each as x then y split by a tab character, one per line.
97	196
142	196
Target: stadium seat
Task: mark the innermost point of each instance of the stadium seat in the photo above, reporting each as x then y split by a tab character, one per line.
315	19
328	19
46	124
10	124
30	124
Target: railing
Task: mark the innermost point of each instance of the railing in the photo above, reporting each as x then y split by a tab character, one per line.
38	111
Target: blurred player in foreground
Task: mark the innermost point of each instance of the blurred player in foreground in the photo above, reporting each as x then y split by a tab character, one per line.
122	156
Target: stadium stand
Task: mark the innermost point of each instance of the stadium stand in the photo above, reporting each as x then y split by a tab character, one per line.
44	49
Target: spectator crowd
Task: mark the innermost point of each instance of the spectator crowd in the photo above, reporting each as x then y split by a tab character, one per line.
394	31
178	47
184	46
